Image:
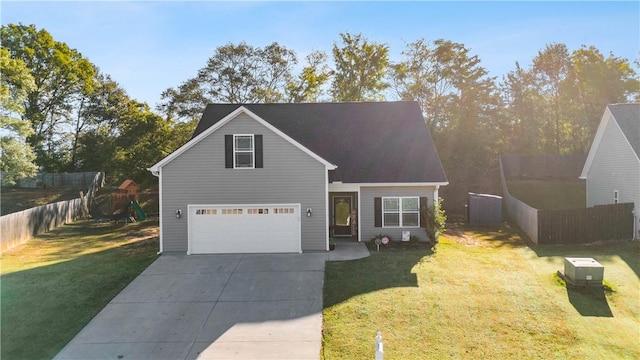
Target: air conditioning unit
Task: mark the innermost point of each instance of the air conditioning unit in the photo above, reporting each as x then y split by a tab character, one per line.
583	271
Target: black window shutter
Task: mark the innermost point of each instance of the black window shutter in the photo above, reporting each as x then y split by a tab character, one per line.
424	201
258	149
377	211
228	151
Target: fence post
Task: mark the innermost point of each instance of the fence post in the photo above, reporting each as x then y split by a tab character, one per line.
379	347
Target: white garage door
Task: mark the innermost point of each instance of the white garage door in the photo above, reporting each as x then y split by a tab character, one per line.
221	229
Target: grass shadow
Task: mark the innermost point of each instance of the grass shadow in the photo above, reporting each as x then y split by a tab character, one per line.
589	301
391	267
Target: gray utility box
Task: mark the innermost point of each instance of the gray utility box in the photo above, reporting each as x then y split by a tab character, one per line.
583	270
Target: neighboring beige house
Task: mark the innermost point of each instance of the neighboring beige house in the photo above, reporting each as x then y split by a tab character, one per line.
612	168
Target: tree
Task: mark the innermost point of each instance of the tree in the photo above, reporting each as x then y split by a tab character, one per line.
461	107
598	81
521	126
144	138
307	86
360	69
17	157
60	74
551	68
97	125
556	105
233	74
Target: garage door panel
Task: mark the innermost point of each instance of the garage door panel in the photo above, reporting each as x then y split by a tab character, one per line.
215	229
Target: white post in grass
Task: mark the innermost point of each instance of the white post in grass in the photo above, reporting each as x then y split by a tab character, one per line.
379	348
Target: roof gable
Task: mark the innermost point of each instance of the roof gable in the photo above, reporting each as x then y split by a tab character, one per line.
627	118
203	133
370	142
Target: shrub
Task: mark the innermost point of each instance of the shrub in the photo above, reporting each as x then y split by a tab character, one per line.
432	219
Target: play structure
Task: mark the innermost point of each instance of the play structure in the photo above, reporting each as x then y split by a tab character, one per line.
124	202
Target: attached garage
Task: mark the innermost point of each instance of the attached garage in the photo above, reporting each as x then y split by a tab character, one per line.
227	229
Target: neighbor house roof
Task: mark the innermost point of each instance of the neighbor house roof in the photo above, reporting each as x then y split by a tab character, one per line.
370	142
628	118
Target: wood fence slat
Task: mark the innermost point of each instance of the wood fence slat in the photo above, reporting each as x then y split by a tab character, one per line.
579	226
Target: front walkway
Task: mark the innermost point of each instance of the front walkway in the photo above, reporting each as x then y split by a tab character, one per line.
348	249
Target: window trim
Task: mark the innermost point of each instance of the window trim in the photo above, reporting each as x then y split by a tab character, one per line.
252	151
400	211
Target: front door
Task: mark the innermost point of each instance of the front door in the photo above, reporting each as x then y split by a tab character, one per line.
342	215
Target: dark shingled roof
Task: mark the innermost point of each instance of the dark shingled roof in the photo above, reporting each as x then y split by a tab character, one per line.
628	118
370	142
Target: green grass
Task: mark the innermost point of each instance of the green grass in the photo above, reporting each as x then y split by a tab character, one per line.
482	295
550	194
56	283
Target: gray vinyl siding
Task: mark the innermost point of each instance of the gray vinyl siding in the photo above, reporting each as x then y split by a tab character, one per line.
199	176
367	220
614	167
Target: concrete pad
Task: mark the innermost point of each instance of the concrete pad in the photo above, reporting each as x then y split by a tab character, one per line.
174	288
192	264
132	350
264	321
262	286
348	250
282	262
212	306
281	350
145	322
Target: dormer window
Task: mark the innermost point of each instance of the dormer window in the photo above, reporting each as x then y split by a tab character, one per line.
243	151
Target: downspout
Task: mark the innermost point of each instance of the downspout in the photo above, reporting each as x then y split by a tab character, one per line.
326	212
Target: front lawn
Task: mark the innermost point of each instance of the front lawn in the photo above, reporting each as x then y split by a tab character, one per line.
482	295
56	283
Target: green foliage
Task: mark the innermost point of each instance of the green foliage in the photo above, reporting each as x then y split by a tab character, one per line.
16	155
60	74
307	87
360	69
74	117
556	104
433	219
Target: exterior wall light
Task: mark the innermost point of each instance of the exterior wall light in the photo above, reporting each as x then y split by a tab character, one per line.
178	213
308	212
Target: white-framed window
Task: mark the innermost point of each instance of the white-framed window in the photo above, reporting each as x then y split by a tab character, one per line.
243	152
616	196
401	211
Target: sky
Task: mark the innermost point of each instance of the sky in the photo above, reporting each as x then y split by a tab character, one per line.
148	46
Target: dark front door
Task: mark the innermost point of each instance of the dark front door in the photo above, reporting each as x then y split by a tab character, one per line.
342	215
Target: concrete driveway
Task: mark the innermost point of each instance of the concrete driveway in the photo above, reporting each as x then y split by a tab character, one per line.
212	307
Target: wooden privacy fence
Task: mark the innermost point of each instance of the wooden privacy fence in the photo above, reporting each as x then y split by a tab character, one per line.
577	226
17	228
572	226
44	180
